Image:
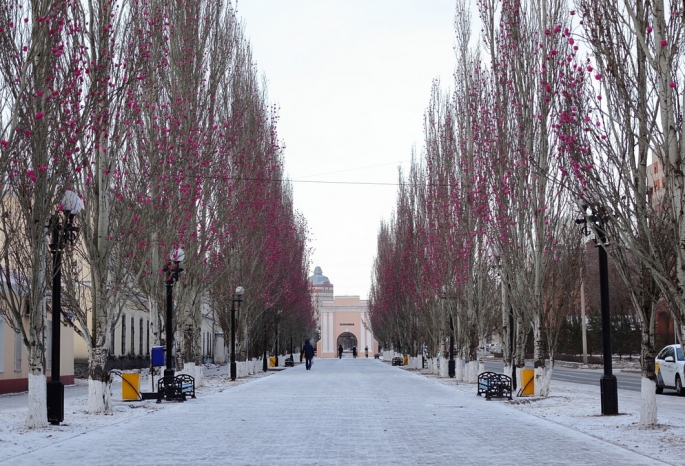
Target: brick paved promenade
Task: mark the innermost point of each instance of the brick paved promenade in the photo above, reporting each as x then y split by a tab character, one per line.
351	412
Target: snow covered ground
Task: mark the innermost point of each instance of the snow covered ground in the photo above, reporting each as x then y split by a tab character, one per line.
578	407
574	406
15	438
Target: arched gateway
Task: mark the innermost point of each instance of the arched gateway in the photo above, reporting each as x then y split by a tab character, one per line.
342	320
347	340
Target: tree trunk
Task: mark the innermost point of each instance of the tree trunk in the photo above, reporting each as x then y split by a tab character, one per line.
99	382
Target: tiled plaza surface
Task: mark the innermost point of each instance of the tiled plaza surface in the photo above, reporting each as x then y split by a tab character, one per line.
347	412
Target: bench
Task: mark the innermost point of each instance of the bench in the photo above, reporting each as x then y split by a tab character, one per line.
376	356
494	385
397	361
181	386
289	362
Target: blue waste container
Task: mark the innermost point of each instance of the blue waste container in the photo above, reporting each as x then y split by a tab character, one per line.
157	356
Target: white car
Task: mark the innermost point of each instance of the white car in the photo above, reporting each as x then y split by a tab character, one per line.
670	369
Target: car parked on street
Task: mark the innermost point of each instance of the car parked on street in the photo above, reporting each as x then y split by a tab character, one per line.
669	366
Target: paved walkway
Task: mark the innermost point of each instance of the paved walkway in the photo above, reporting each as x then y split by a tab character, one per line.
350	411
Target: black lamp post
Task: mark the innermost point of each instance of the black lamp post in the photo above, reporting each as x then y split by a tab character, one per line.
264	361
173	270
452	365
608	383
62	232
278	315
237	298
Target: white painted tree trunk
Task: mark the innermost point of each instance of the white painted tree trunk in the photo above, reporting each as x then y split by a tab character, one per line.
37	415
542	381
194	371
458	370
472	372
648	409
444	369
99	397
507	370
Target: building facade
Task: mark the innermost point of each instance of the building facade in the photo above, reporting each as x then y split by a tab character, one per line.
343	321
14	363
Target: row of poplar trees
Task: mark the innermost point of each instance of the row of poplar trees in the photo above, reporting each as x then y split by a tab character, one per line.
561	110
153	113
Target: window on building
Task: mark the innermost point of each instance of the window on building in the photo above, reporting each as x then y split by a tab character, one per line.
123	335
48	344
140	338
133	336
17	352
112	341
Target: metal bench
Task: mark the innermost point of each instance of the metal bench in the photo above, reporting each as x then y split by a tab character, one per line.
397	361
177	389
289	362
494	385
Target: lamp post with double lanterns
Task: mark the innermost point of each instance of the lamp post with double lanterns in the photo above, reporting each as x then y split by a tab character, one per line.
452	372
608	383
62	233
173	270
237	298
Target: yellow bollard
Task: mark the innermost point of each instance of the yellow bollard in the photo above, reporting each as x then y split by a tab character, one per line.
130	387
406	360
528	382
272	361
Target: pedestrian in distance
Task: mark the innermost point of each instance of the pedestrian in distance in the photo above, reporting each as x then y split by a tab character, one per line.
340	350
308	354
354	352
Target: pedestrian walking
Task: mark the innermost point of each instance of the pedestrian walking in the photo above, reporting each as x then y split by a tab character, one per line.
308	354
354	352
340	350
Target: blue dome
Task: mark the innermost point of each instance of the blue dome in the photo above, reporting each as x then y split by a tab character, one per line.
318	278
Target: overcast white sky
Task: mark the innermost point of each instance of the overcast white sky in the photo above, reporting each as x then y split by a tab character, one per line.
352	79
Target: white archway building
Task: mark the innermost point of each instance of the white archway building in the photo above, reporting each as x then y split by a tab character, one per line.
340	315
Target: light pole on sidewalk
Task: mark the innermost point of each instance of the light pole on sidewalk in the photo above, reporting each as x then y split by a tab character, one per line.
62	233
452	372
173	270
608	383
237	298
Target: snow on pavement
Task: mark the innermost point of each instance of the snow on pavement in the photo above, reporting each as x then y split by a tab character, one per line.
346	412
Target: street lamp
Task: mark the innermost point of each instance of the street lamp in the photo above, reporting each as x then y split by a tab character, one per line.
237	298
173	270
608	383
277	341
452	365
62	232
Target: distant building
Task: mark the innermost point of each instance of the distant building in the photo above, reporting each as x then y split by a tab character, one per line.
343	320
655	184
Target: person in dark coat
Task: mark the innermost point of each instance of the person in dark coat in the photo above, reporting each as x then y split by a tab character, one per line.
354	352
340	350
308	354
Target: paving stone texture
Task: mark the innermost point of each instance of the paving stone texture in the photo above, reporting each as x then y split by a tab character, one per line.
342	412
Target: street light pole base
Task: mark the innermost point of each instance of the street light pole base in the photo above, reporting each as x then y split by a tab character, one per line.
233	370
55	402
609	389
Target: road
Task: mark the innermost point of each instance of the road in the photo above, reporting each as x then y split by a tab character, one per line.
626	380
